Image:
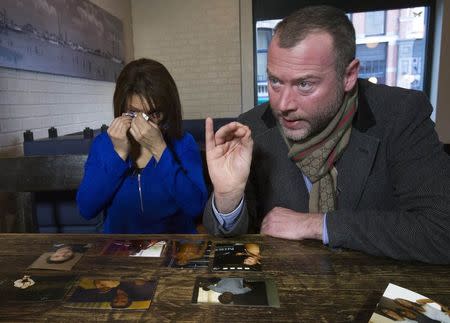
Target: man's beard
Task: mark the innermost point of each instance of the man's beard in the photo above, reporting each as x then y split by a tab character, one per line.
316	123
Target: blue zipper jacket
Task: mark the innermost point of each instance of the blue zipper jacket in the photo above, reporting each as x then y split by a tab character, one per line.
165	197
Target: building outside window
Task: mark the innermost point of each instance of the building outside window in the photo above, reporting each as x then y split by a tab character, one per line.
374	23
390	45
372	57
263	37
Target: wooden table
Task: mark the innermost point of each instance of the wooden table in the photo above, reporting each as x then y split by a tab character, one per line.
315	283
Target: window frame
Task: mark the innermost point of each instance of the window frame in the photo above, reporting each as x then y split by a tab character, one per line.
273	9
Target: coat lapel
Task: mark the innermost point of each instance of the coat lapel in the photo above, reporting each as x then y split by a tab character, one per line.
356	163
354	167
282	173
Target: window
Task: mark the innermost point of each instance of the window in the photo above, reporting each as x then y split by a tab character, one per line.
264	35
374	23
410	66
264	32
390	44
372	59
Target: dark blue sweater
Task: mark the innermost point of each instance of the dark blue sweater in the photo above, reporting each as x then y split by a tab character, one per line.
172	194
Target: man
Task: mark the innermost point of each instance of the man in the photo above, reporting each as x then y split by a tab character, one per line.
61	255
332	158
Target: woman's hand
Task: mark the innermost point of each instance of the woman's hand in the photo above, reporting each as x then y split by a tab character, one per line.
117	131
148	135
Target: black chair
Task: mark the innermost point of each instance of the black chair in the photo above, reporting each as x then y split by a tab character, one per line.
196	127
25	176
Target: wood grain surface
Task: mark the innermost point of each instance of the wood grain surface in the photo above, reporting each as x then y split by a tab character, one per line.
315	283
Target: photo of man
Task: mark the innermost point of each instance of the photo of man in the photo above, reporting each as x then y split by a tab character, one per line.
237	256
61	255
133	294
235	291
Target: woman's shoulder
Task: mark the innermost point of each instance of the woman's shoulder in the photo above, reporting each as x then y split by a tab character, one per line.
186	142
101	142
101	138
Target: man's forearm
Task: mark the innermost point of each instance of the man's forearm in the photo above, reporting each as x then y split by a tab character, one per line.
315	225
226	203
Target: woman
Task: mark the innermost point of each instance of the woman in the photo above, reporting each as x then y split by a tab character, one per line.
145	173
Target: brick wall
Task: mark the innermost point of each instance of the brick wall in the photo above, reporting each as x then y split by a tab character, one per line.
38	101
199	43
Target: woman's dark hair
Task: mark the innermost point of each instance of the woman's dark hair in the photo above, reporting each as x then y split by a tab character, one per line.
303	22
151	81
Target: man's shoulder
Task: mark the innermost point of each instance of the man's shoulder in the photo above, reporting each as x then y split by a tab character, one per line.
101	141
255	114
380	94
388	103
259	119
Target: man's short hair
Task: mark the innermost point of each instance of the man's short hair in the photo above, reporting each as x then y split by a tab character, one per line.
301	23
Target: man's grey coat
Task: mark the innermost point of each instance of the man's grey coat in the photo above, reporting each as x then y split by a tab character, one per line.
393	179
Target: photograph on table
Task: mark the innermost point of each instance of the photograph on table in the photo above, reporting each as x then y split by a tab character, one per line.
109	293
34	288
60	257
188	254
235	291
401	304
236	257
134	248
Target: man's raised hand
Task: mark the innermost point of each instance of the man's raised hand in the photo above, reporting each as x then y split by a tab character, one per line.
229	156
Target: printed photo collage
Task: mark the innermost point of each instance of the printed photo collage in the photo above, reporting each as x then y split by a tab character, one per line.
136	293
399	304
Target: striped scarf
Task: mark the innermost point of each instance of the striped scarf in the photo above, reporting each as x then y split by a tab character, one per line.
316	156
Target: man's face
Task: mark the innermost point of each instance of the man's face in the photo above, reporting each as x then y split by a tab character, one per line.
121	299
251	261
304	90
62	254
